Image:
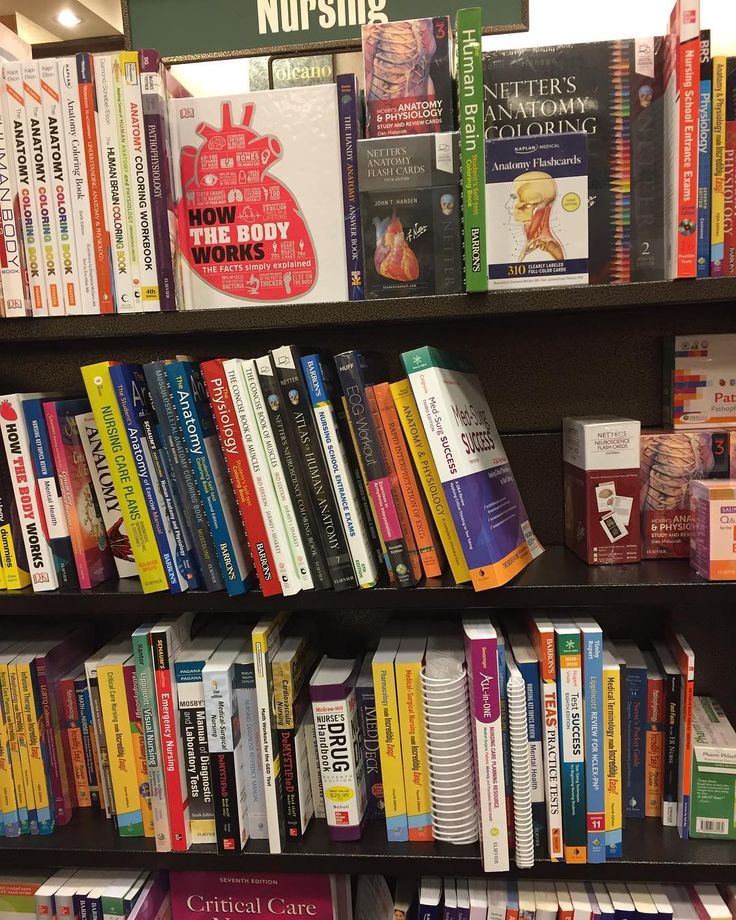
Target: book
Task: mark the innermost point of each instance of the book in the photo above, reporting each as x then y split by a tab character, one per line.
661	901
521	770
350	114
315	777
430	898
568	646
654	738
245	691
671	726
291	669
713	788
503	685
107	500
471	461
536	214
71	705
122	467
708	902
139	751
389	737
613	774
97	792
44	895
32	738
408	666
680	902
718	166
13	558
15	294
591	639
294	753
545	900
290	136
24	807
634	707
468	29
481	654
542	634
92	555
729	184
295	397
407	70
705	140
367	713
10	814
682	95
332	691
685	661
125	177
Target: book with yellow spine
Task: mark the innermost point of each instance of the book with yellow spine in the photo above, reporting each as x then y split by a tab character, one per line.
8	803
408	663
119	739
291	669
124	476
424	463
389	738
13	561
12	736
718	169
612	760
35	745
139	748
20	733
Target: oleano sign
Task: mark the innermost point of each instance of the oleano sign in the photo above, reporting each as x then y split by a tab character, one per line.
200	29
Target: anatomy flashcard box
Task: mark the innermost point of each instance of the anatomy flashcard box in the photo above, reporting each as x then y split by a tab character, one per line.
259	192
408	76
601	470
700	381
411	211
537	210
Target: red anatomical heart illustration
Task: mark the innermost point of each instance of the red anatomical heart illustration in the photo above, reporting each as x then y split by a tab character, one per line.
394	258
241	230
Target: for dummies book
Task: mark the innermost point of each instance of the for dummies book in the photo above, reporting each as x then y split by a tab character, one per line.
537	211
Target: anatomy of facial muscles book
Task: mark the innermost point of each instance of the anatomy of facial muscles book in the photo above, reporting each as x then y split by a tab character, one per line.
259	192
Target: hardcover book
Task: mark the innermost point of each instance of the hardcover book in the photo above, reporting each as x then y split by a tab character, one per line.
719	66
351	129
15	299
705	139
572	752
366	696
613	752
536	211
254	225
729	185
247	696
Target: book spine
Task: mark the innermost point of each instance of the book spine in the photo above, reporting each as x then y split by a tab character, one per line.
635	701
125	175
367	712
8	801
687	693
272	774
378	478
116	722
183	479
138	747
141	191
348	104
14	109
430	552
532	687
729	184
315	776
705	136
506	744
86	746
100	235
551	742
100	741
414	751
143	660
72	727
718	167
20	463
337	465
13	262
389	744
570	691
654	746
688	94
196	754
671	758
80	216
265	492
11	727
592	657
35	747
472	146
12	547
294	819
613	765
293	474
153	99
20	731
111	431
54	520
58	765
241	478
250	728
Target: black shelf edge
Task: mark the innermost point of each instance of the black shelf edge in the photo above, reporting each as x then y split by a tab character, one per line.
652	853
557	578
444	307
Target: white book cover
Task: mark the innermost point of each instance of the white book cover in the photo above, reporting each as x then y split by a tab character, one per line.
643	900
123	270
303	782
681	903
278	477
59	182
42	185
620	898
707	900
521	770
315	777
661	901
15	297
582	906
14	113
254	225
478	898
545	899
259	467
496	894
44	896
245	688
138	163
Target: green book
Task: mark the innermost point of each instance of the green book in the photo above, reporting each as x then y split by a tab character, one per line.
472	146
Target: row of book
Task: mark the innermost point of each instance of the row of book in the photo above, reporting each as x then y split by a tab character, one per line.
294	466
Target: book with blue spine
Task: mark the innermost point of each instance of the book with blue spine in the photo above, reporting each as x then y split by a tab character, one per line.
126	381
572	739
350	114
200	436
705	142
449	909
52	506
672	714
592	651
634	706
430	898
603	900
81	691
623	904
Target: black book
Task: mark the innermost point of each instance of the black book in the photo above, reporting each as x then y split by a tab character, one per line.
293	473
300	418
672	718
297	788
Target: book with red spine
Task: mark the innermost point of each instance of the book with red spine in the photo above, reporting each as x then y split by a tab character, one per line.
71	725
729	224
241	477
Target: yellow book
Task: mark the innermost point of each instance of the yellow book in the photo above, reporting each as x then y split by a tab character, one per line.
427	471
8	802
119	740
33	726
139	747
718	168
14	576
612	753
128	489
12	739
408	663
20	734
389	738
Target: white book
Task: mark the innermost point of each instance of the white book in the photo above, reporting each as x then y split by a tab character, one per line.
463	897
478	898
603	898
59	183
496	895
79	203
708	902
265	491
564	899
620	897
545	899
245	689
450	897
263	424
643	900
430	896
113	894
14	290
527	901
44	896
682	906
14	113
43	190
123	270
582	906
661	901
521	770
315	777
82	880
138	164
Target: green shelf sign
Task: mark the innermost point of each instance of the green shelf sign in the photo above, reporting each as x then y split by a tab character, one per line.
190	30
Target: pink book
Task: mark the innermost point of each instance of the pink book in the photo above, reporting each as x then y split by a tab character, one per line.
92	554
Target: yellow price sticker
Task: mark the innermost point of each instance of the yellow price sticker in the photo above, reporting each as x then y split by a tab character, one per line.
339	794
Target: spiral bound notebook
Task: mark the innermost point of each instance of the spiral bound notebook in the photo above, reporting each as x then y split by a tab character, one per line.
521	768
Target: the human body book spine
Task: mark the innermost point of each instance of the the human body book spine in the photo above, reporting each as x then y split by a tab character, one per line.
349	112
13	558
13	271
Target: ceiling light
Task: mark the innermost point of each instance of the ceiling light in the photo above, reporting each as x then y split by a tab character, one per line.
68	19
